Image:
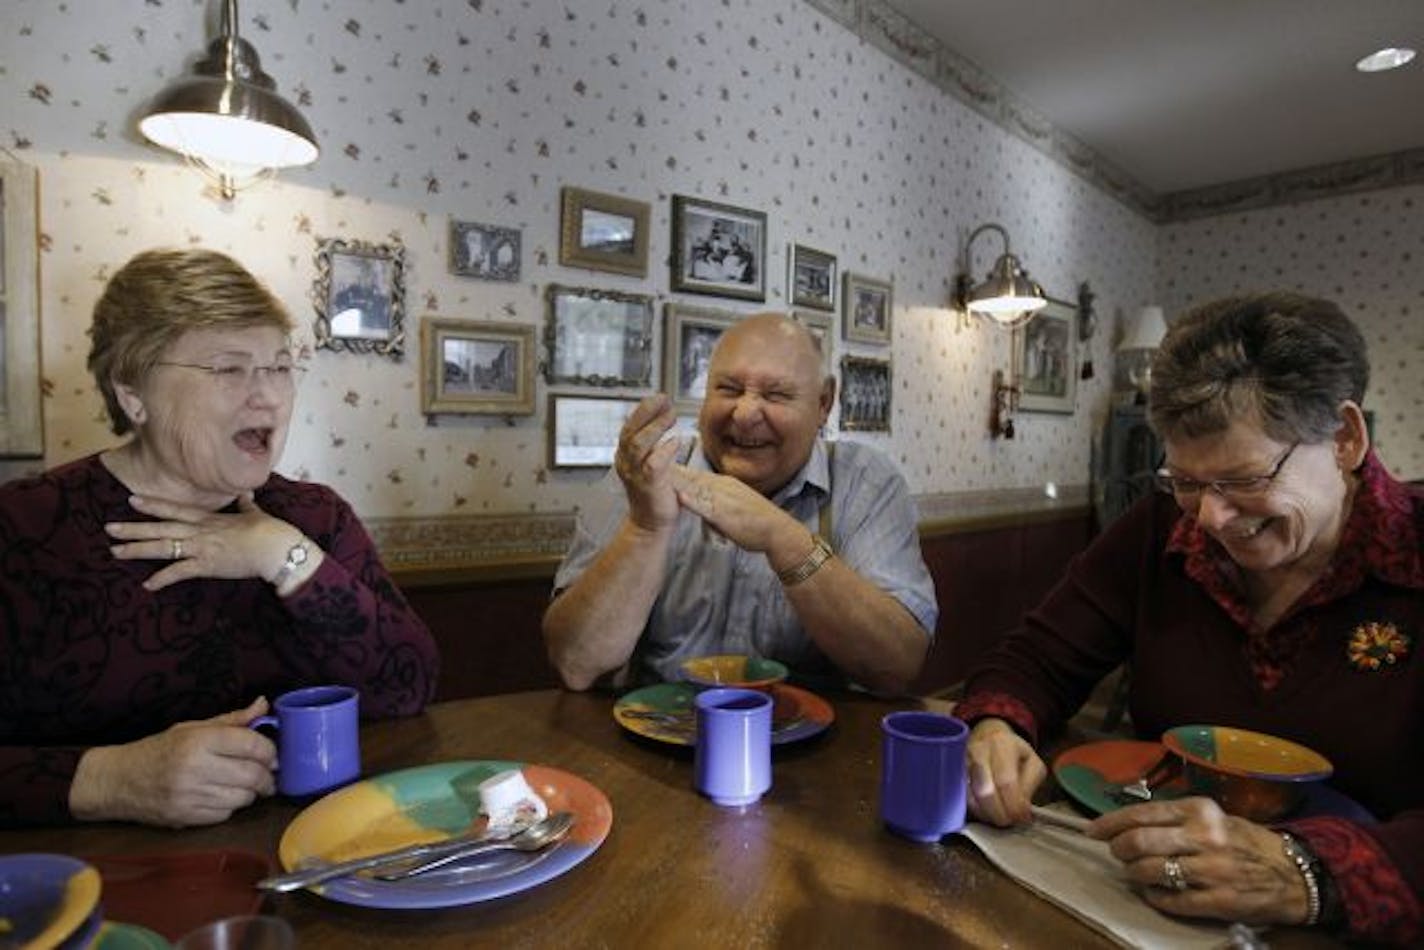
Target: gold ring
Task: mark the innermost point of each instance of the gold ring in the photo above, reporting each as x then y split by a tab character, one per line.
1172	874
177	549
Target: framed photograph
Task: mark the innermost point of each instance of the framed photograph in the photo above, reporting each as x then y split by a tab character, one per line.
583	430
868	308
476	368
604	232
1045	359
718	249
822	327
485	251
689	336
599	337
21	412
360	296
865	394
813	278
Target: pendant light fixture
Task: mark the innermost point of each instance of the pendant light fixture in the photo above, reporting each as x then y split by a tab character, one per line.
226	118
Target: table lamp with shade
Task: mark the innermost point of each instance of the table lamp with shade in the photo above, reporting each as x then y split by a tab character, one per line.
1134	354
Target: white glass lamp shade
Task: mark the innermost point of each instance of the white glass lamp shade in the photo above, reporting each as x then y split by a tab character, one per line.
226	115
1009	295
229	140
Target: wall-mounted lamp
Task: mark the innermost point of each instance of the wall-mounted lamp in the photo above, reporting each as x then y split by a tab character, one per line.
1134	353
227	118
1007	295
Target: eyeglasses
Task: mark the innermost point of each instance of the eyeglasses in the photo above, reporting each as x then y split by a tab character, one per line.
239	378
1245	487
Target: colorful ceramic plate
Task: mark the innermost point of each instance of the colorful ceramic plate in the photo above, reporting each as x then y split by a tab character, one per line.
1093	772
431	803
664	712
47	898
175	893
114	936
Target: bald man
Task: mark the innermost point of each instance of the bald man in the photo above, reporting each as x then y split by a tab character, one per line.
812	557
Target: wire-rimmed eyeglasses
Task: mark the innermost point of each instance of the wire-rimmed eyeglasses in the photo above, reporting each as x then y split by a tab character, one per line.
1246	486
237	378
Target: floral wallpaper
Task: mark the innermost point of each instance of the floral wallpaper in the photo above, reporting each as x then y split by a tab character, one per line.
481	110
1363	251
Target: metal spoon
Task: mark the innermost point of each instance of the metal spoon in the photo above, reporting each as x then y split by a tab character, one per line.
1162	771
536	837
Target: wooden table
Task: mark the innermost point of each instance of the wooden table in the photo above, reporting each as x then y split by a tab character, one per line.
809	865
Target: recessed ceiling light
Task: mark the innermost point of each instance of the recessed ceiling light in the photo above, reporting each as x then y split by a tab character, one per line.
1391	57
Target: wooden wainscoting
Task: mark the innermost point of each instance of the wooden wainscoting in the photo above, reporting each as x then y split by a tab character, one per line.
487	625
986	578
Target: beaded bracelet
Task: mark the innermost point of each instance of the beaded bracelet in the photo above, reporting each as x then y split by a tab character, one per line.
1304	863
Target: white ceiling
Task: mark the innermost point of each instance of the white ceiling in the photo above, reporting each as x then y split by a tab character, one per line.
1186	93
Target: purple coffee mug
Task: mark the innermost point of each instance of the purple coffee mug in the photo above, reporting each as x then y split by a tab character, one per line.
318	739
732	762
922	782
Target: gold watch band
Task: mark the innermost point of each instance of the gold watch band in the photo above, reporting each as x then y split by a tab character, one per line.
820	553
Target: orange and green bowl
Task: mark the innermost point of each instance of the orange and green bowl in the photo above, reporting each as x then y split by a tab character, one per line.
734	669
1250	774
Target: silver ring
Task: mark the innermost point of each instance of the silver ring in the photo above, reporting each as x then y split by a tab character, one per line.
177	549
1172	874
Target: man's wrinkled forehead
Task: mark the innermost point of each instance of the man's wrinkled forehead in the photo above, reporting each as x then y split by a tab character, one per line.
799	359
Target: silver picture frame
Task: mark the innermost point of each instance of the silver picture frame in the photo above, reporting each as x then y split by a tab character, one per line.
584	430
359	295
485	251
598	337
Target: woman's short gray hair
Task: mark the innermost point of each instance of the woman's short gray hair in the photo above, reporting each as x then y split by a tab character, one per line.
1282	360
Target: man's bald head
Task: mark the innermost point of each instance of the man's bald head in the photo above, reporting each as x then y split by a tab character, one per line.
766	399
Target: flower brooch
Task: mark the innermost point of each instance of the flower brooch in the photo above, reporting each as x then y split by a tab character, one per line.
1376	646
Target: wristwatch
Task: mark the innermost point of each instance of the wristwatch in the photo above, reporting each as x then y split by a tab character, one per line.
297	555
820	553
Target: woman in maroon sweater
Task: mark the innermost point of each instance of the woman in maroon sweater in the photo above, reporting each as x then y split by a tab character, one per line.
1280	589
153	595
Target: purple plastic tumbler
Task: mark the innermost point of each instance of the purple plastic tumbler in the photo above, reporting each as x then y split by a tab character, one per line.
732	764
922	784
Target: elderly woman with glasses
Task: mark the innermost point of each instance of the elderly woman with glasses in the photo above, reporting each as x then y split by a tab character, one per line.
152	595
1276	584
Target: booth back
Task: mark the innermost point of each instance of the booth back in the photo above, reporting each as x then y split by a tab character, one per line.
486	619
